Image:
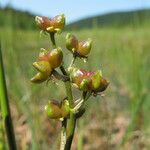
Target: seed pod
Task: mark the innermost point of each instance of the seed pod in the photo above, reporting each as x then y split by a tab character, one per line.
53	109
103	85
57	23
65	109
57	110
89	81
96	79
55	57
43	55
42	22
39	78
84	85
44	69
71	42
84	47
43	66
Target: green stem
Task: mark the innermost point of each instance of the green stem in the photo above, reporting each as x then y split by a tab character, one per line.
52	37
63	134
5	108
72	121
73	61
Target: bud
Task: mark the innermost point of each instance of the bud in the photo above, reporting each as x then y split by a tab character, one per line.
44	69
89	81
53	109
42	22
57	110
65	109
103	85
55	57
39	78
84	47
96	79
43	55
43	66
84	85
71	42
55	24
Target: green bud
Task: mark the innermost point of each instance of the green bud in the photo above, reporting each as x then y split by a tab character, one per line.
39	77
65	109
57	23
43	66
96	79
53	109
71	42
55	57
56	110
84	84
103	85
84	47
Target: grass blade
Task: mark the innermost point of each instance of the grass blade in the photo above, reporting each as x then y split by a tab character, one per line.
7	121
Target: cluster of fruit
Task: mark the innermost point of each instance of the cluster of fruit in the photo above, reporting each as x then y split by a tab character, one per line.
49	61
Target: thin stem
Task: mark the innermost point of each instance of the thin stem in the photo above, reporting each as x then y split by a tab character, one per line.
63	134
72	121
73	61
5	108
52	37
64	122
63	70
60	77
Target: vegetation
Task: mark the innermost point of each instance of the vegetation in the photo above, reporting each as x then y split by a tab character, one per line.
117	19
124	55
19	19
24	20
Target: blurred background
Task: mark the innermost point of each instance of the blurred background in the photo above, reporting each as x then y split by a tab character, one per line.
121	48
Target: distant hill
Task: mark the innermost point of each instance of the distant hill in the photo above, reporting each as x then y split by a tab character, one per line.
16	19
118	19
25	20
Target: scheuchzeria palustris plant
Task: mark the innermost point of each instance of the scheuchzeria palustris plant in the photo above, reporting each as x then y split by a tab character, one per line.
91	83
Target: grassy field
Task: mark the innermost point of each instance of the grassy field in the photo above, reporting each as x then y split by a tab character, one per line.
123	114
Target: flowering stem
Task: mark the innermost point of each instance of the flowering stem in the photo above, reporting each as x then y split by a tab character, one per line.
63	134
52	37
72	121
5	108
60	77
73	61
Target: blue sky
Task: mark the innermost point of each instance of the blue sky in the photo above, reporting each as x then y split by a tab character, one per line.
77	9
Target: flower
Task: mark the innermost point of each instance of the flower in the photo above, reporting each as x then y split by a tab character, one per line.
44	69
55	24
88	80
80	49
55	57
84	47
71	42
47	62
57	110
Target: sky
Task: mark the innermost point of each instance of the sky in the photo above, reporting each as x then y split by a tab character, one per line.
76	9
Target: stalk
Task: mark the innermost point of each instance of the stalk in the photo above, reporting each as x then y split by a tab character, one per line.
72	121
4	102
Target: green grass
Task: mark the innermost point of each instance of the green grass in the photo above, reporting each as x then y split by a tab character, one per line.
122	54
